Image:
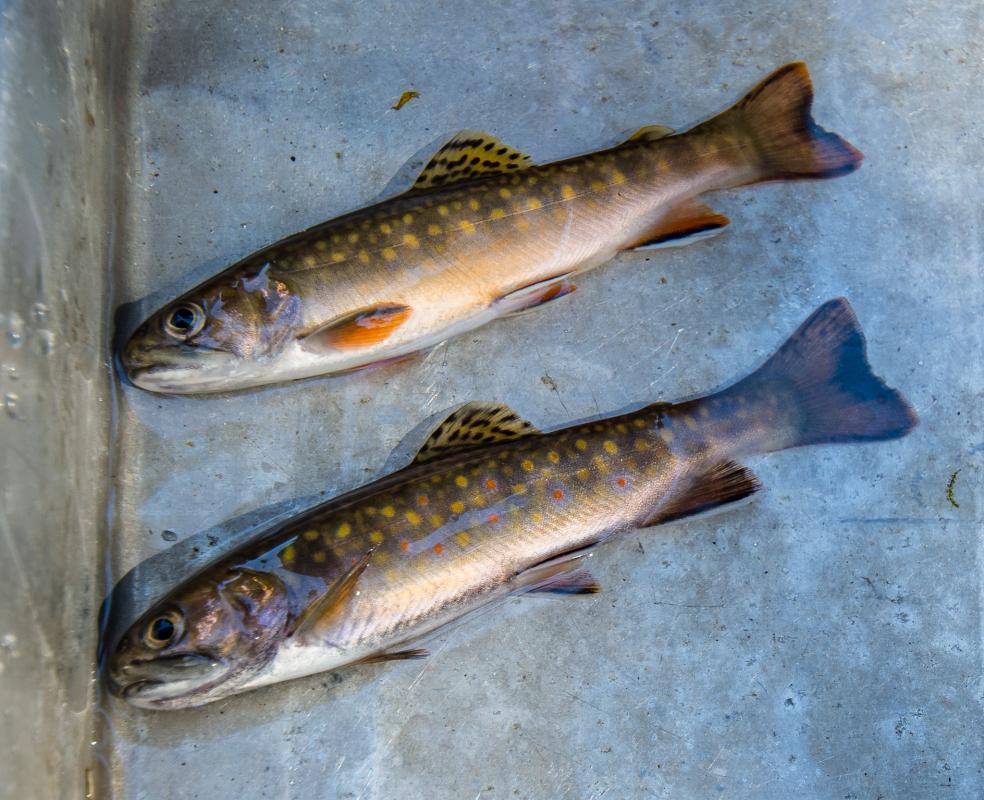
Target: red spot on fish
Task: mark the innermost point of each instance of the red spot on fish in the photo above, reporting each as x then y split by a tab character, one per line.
422	500
622	482
491	485
493	517
558	494
404	545
439	548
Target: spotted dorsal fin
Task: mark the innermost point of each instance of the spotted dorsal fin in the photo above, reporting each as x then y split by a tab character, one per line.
650	133
470	155
474	425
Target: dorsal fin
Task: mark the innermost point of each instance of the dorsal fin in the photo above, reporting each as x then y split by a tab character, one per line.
474	425
470	155
650	133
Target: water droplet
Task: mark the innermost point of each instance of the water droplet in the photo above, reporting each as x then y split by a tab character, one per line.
15	330
40	312
47	340
169	536
10	403
9	371
7	641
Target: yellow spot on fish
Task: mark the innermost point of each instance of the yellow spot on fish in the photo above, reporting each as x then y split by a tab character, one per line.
639	423
554	457
468	227
410	240
621	428
523	224
386	228
533	204
442	210
353	238
505	193
473	204
375	537
389	253
584	473
463	539
363	256
536	517
527	465
408	218
343	530
597	186
388	511
457	506
618	177
519	488
310	261
321	244
600	465
498	213
532	180
320	557
666	435
568	193
610	447
436	520
338	258
288	554
413	517
580	444
434	230
704	411
310	536
690	422
461	481
641	445
456	205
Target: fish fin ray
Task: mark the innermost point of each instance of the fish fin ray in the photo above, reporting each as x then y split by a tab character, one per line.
474	424
396	655
317	617
470	155
650	133
570	583
724	483
363	328
551	571
535	295
684	224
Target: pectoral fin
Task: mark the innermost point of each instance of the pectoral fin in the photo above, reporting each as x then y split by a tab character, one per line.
362	328
314	621
578	582
398	655
561	574
686	223
725	483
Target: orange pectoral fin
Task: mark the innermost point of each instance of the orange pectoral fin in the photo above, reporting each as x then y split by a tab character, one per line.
683	224
362	328
536	294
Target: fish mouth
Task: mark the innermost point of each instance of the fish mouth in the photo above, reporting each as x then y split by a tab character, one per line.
167	682
210	371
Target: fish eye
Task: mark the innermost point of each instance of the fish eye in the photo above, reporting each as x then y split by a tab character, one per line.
185	321
163	629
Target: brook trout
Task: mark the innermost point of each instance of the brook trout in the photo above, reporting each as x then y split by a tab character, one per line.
490	507
483	233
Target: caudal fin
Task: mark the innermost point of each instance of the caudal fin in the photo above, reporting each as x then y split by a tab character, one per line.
819	388
785	142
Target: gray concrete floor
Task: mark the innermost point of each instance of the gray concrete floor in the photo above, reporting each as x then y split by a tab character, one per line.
823	642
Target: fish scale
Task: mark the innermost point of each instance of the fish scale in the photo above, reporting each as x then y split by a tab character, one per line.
482	234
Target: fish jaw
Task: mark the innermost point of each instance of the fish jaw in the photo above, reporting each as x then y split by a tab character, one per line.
180	684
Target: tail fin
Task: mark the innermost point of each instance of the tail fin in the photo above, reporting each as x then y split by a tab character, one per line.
821	389
787	143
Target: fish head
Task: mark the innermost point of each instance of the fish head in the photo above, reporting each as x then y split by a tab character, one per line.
215	338
202	642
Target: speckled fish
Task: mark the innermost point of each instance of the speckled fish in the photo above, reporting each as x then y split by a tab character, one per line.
490	507
483	233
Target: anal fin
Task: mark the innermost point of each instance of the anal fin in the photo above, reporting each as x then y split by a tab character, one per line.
684	224
724	483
